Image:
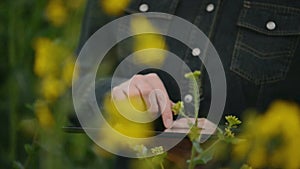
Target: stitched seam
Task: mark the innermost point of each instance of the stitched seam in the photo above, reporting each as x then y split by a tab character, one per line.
261	55
238	70
265	79
236	51
268	6
292	53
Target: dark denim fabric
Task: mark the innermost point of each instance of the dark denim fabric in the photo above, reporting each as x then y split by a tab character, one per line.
261	65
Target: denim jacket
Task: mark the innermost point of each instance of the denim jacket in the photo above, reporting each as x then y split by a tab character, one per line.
257	41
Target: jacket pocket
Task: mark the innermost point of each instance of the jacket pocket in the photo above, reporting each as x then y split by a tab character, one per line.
267	38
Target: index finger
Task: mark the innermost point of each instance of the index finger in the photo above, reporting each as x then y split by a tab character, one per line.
162	99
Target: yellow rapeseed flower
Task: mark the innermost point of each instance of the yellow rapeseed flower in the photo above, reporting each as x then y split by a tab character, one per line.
114	7
157	150
121	111
44	58
56	12
43	114
68	70
273	139
150	41
115	115
49	57
52	88
54	64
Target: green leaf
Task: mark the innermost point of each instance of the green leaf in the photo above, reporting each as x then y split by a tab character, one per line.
194	74
29	106
29	149
204	158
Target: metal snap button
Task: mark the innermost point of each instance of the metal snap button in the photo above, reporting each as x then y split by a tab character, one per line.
144	7
210	7
188	98
196	52
271	25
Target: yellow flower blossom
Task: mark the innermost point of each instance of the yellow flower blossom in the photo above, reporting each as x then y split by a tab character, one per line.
114	7
257	157
44	62
49	57
56	12
68	70
273	139
54	64
52	88
123	125
130	108
178	108
43	114
151	41
157	150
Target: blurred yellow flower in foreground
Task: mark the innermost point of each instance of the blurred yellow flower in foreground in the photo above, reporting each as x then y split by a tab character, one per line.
114	7
273	140
56	12
115	112
68	70
43	114
149	41
52	88
54	64
44	59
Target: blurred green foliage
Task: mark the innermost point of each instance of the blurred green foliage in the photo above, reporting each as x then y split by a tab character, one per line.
25	143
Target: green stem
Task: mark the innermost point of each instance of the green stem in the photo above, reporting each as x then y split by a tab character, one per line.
13	88
196	107
34	144
162	166
192	165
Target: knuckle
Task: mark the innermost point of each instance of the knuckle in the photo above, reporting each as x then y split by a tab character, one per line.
137	77
152	75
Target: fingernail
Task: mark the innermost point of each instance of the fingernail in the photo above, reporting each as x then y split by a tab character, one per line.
169	123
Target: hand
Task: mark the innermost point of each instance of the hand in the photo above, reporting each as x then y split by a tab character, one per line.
182	126
151	90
